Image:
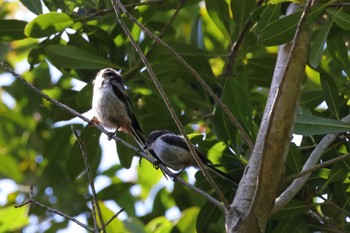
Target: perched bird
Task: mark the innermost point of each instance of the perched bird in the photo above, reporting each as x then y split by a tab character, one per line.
173	151
112	105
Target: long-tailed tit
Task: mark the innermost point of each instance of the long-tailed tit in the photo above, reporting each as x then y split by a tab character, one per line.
173	151
112	105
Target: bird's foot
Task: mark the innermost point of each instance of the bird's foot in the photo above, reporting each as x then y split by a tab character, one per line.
176	174
110	135
92	121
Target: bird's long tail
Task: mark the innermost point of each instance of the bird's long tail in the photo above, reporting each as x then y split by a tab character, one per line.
220	173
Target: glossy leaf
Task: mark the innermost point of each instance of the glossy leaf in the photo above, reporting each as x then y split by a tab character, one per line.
48	24
314	125
294	159
279	31
270	13
10	168
13	219
67	56
318	45
235	96
282	30
75	165
242	11
33	6
219	13
11	29
338	50
187	222
341	18
331	95
116	225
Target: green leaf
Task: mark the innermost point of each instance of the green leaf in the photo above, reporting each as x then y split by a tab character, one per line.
331	94
317	47
237	99
338	50
279	31
341	18
271	13
218	12
48	24
13	219
294	159
187	222
125	154
10	168
282	30
75	165
33	6
67	56
241	11
12	30
116	226
197	38
314	125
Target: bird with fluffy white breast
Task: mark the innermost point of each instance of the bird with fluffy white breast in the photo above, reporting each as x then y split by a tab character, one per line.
173	151
112	105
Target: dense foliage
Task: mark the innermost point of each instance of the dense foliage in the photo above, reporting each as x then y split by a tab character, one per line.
78	38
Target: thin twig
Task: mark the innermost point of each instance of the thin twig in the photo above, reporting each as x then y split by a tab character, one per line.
128	5
236	45
151	49
319	166
117	4
52	210
93	215
114	216
206	87
103	130
314	157
90	178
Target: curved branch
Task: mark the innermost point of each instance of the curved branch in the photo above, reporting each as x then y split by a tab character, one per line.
117	4
117	139
315	156
235	47
206	87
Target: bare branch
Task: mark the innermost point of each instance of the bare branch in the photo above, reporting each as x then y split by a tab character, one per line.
114	216
117	4
235	47
315	156
319	166
232	118
90	178
52	210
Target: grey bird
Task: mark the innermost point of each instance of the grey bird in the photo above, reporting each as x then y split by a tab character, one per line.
172	150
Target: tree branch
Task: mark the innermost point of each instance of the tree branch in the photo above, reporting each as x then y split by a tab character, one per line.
258	188
315	156
317	167
117	4
235	47
117	139
232	118
52	210
89	175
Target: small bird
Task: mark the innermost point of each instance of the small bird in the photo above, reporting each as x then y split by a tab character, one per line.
112	105
173	151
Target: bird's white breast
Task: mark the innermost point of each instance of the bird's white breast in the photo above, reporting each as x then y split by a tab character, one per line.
109	109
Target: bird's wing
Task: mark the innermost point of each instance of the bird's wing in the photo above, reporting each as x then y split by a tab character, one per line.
178	141
135	128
